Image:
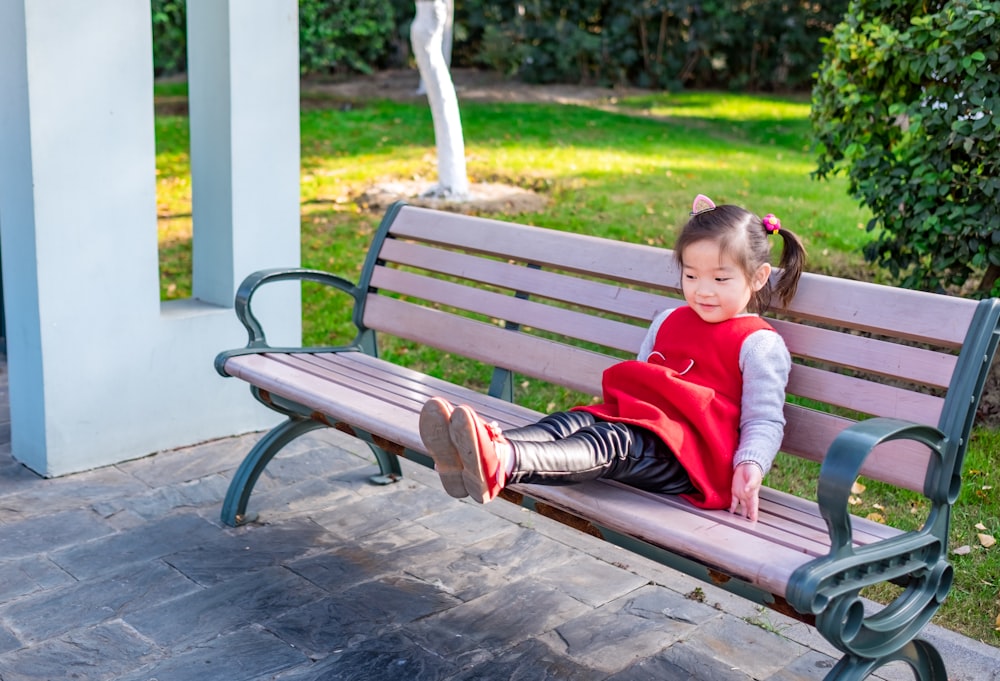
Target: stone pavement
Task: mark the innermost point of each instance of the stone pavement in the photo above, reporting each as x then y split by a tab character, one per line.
126	573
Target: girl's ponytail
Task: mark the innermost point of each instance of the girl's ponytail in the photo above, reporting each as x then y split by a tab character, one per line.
793	259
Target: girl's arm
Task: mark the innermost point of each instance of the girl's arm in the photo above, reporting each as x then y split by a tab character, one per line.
765	363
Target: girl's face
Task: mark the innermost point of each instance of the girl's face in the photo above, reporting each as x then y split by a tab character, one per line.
714	285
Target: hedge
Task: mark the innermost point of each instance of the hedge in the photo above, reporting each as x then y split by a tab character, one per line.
662	44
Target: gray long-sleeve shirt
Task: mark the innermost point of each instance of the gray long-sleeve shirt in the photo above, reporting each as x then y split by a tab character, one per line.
765	363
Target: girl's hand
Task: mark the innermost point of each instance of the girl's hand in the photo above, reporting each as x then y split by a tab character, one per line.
747	479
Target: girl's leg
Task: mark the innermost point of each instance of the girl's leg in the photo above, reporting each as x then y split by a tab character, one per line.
602	449
554	426
435	420
616	451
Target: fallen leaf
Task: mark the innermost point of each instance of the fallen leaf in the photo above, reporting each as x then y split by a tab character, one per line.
963	550
696	595
980	526
853	500
998	622
986	540
877	517
987	487
857	488
878	506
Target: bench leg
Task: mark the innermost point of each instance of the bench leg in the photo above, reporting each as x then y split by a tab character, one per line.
234	508
388	465
923	658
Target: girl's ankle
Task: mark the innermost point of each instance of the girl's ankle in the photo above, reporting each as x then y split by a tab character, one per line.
505	456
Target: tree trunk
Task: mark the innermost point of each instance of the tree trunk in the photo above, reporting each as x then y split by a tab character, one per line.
989	279
447	42
426	37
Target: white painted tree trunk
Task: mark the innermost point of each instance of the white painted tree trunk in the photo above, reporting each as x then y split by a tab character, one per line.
426	37
447	41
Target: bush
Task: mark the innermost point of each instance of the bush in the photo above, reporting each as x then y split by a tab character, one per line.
335	36
907	102
766	45
169	37
346	35
661	44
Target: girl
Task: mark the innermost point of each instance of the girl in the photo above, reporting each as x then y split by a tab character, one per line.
699	413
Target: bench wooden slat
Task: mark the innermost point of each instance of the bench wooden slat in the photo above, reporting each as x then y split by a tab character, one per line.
898	313
411	389
869	355
626	262
777	504
663	521
784	520
809	433
864	396
408	395
763	554
595	295
373	405
606	332
396	423
529	355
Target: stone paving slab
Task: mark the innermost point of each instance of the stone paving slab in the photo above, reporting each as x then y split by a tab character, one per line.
126	573
103	651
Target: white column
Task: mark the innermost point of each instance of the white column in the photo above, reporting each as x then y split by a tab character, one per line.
99	370
243	79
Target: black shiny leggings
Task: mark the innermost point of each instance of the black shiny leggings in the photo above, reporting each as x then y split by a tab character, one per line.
573	446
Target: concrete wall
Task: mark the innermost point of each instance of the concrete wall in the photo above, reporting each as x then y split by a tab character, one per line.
100	371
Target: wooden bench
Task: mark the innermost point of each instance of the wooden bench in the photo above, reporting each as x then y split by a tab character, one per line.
885	385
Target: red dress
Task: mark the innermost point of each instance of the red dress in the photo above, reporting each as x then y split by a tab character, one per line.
688	393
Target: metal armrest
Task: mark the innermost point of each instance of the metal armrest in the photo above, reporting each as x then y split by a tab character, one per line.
261	277
828	586
257	340
845	458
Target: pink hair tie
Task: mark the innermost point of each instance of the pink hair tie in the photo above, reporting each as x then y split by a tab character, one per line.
771	223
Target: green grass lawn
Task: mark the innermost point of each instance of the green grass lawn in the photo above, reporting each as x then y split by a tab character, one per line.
628	173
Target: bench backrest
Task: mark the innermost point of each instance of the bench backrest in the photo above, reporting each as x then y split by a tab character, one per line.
578	304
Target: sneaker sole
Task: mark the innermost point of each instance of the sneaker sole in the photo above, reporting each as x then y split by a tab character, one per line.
434	431
466	440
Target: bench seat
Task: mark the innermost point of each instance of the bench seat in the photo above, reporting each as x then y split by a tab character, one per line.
355	390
